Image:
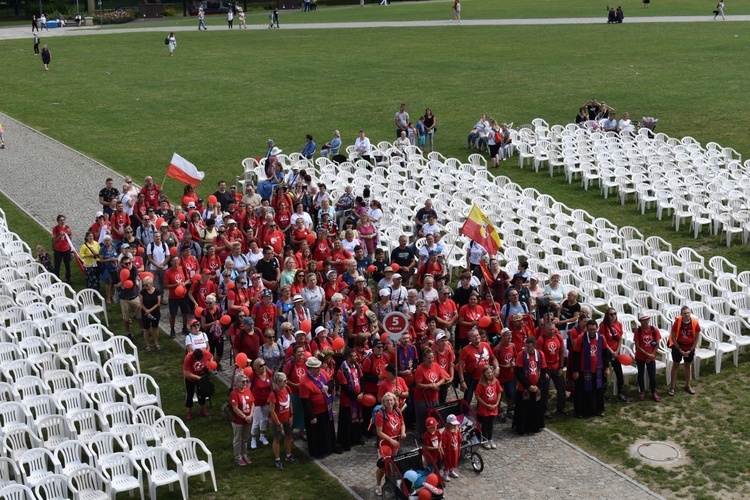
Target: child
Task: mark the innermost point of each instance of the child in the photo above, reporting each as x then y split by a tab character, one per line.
432	444
451	446
411	133
44	258
422	134
380	265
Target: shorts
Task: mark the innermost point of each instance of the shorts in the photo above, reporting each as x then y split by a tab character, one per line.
677	357
151	323
421	140
286	427
182	304
130	307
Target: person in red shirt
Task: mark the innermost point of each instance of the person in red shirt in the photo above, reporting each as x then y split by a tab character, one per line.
683	339
247	340
519	331
351	410
468	316
151	192
446	358
316	394
451	446
189	263
429	377
340	257
119	220
275	239
282	417
506	353
211	262
264	313
418	328
61	235
611	329
260	383
392	383
242	403
174	277
552	345
193	369
390	428
322	247
202	289
210	319
283	216
320	343
359	322
237	297
472	359
646	339
488	395
573	334
295	369
300	340
445	310
432	443
299	234
492	309
531	373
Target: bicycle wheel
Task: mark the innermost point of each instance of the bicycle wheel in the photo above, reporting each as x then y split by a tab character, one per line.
477	463
389	491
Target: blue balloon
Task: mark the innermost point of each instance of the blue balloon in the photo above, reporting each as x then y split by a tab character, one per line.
411	475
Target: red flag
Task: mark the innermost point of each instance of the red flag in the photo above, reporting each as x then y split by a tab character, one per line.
184	171
479	228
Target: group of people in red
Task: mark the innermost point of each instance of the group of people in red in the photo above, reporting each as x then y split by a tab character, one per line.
291	283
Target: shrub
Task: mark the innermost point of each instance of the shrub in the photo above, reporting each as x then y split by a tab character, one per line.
115	17
168	12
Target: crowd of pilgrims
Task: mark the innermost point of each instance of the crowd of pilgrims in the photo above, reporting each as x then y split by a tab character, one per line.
297	285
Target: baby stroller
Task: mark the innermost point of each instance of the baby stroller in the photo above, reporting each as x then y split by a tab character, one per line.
413	464
471	430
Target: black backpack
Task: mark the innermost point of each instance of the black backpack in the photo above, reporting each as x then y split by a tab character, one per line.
166	41
205	386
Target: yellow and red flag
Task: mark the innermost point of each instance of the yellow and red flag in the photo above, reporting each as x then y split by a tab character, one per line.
479	228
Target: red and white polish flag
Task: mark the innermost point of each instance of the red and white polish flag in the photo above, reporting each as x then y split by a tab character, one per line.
184	171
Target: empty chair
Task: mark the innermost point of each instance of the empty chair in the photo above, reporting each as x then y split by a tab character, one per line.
9	473
702	353
123	472
52	487
719	265
166	429
140	394
90	376
60	380
72	455
159	472
95	334
105	444
122	346
18	441
17	369
14	415
41	406
148	415
187	451
31	386
88	424
16	492
87	483
54	430
61	342
10	352
107	394
714	334
37	464
119	417
93	302
137	437
119	370
84	354
72	400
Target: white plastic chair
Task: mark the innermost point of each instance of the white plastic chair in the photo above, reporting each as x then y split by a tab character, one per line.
148	415
137	438
140	395
72	455
701	354
192	465
18	441
92	302
72	400
105	444
119	370
14	415
52	487
123	472
107	394
166	429
90	376
37	464
715	336
17	492
87	483
82	354
119	417
54	430
59	380
88	424
9	472
159	472
41	406
31	386
121	346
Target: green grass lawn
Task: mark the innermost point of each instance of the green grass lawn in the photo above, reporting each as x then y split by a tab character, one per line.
122	100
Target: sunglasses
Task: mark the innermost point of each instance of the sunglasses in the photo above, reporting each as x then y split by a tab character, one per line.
261	365
125	262
269	336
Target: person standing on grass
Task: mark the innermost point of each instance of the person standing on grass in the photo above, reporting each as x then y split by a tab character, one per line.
172	42
34	23
243	406
241	15
193	369
457	10
46	57
201	19
230	18
683	339
36	44
61	235
282	417
646	339
150	312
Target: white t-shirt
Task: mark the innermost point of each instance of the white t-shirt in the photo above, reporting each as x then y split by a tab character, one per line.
305	217
362	146
158	253
199	341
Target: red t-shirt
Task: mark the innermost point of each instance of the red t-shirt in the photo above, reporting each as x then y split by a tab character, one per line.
445	311
261	387
118	221
203	291
194	366
647	340
265	316
432	440
490	394
282	402
358	324
446	358
321	250
389	422
388	386
467	313
340	255
191	266
426	375
174	276
242	400
151	195
308	390
506	355
62	244
686	334
612	334
320	345
249	344
294	373
536	365
356	379
475	358
276	240
452	447
552	347
376	366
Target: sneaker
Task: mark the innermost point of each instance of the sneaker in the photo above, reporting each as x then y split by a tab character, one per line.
641	396
291	459
204	413
453	473
621	398
240	461
172	333
253	444
486	445
493	445
446	477
263	440
279	465
189	415
247	459
655	397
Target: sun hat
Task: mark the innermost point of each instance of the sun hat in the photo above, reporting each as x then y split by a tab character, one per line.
313	362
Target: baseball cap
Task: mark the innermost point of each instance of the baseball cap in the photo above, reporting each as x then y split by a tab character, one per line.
99	214
440	336
430	422
388	269
266	293
320	329
643	316
231	221
384	292
452	419
193	322
248	321
397	276
191	204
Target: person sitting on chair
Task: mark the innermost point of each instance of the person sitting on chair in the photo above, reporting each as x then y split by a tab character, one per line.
332	148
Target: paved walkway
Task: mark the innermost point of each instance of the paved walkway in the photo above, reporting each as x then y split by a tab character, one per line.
18	32
45	177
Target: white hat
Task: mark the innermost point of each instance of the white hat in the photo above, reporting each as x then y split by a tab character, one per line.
440	336
384	292
451	418
397	276
298	298
320	329
643	316
313	362
191	204
275	151
99	214
231	221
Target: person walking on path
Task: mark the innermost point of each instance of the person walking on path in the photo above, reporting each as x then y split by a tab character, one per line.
43	22
201	19
719	10
230	18
61	234
36	44
2	142
172	42
34	23
46	57
457	10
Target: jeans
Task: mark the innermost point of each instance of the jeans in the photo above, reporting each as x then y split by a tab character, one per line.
260	419
509	388
649	366
559	381
201	24
431	139
471	384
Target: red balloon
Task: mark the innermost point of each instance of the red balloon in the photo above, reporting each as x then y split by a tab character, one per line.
173	251
198	312
146	274
159	222
181	216
320	266
433	479
625	359
386	451
124	274
484	321
197	277
310	238
371	269
128	284
245	310
306	326
212	365
368	400
338	344
212	199
247	371
230	285
384	338
395	267
140	251
225	320
424	493
241	359
180	291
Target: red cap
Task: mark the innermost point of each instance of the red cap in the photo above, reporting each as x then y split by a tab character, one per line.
430	422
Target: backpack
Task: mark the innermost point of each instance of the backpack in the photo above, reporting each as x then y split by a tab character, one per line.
379	409
205	386
166	41
498	137
227	412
